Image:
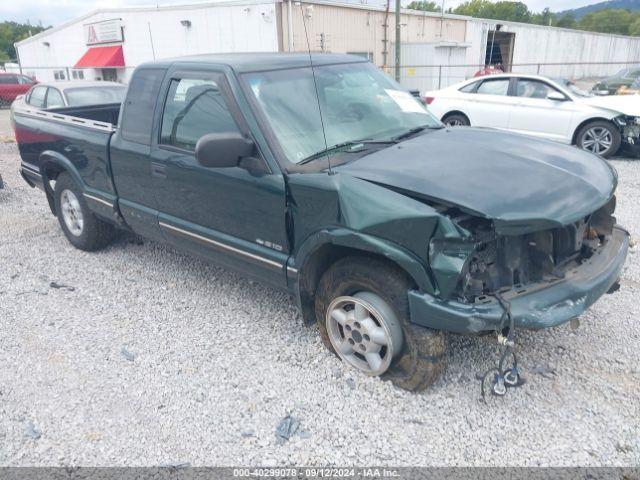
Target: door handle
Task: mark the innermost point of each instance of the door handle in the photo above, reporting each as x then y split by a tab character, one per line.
158	170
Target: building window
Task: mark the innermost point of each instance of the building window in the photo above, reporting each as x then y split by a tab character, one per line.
367	55
77	74
59	75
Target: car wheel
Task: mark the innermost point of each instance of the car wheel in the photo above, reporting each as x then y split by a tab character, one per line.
81	227
456	120
599	137
362	310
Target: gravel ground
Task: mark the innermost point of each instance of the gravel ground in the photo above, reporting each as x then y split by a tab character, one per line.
149	357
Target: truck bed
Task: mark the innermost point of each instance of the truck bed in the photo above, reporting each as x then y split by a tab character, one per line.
78	136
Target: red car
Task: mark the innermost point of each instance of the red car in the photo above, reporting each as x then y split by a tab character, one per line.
12	85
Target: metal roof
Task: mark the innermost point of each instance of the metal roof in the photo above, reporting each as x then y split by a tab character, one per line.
259	61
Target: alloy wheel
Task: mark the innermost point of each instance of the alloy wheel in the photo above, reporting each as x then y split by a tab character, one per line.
597	140
71	212
364	331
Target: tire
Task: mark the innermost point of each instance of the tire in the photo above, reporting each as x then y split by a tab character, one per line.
419	360
456	120
599	137
81	227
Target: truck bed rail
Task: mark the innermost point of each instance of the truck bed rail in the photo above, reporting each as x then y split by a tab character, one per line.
66	119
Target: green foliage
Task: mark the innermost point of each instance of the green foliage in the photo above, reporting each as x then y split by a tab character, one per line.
11	32
634	28
568	20
608	21
503	10
424	6
546	17
623	22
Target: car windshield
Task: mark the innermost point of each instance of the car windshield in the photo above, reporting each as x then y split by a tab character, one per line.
572	87
621	73
358	103
77	97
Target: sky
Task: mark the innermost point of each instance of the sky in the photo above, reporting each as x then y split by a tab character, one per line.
54	12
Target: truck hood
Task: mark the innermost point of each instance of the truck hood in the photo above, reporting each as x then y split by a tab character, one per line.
521	183
624	104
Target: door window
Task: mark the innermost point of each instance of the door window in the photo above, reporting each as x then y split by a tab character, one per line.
194	107
8	79
533	89
37	97
494	87
54	98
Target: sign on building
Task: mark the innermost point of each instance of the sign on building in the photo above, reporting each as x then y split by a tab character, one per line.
107	31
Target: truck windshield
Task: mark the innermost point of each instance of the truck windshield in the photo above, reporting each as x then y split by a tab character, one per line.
358	103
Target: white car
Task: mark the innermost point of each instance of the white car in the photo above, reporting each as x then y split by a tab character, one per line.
542	107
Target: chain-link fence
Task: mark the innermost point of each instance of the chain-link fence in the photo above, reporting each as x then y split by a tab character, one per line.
17	80
585	75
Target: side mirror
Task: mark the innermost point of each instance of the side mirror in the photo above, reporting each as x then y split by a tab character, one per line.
221	150
557	96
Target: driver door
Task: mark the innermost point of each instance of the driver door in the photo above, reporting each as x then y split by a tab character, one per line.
228	215
535	114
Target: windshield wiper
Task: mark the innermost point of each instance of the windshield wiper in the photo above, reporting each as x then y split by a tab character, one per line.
338	146
413	131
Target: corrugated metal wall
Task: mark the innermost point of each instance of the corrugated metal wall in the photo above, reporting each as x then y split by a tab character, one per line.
548	45
437	59
343	29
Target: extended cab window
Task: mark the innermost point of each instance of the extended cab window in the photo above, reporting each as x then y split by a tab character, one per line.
194	107
140	104
494	87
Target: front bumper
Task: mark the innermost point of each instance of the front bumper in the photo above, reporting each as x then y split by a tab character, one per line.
532	307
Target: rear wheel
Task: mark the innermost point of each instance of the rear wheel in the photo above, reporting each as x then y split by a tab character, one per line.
456	120
362	309
81	227
599	137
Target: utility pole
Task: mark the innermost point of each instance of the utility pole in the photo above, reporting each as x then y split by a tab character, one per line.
397	40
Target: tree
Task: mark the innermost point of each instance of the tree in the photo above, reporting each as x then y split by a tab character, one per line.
424	6
503	10
11	32
568	20
546	17
634	28
607	21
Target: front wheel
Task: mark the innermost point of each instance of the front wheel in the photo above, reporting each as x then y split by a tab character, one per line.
362	310
456	120
599	137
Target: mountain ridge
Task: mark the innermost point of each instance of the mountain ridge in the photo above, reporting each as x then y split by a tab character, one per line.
619	4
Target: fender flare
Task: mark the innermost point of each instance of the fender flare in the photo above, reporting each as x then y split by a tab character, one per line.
51	157
357	242
344	237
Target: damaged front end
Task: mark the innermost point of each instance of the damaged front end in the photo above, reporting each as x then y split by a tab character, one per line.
630	132
548	276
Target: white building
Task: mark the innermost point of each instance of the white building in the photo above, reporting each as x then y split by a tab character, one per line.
437	49
108	43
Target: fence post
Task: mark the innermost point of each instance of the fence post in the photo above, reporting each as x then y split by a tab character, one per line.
538	69
439	77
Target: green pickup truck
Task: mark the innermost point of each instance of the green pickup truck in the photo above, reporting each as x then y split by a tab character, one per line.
322	177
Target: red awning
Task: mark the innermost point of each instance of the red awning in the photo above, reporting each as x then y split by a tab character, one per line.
99	57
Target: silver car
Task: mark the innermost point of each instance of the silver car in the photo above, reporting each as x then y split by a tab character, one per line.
73	94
